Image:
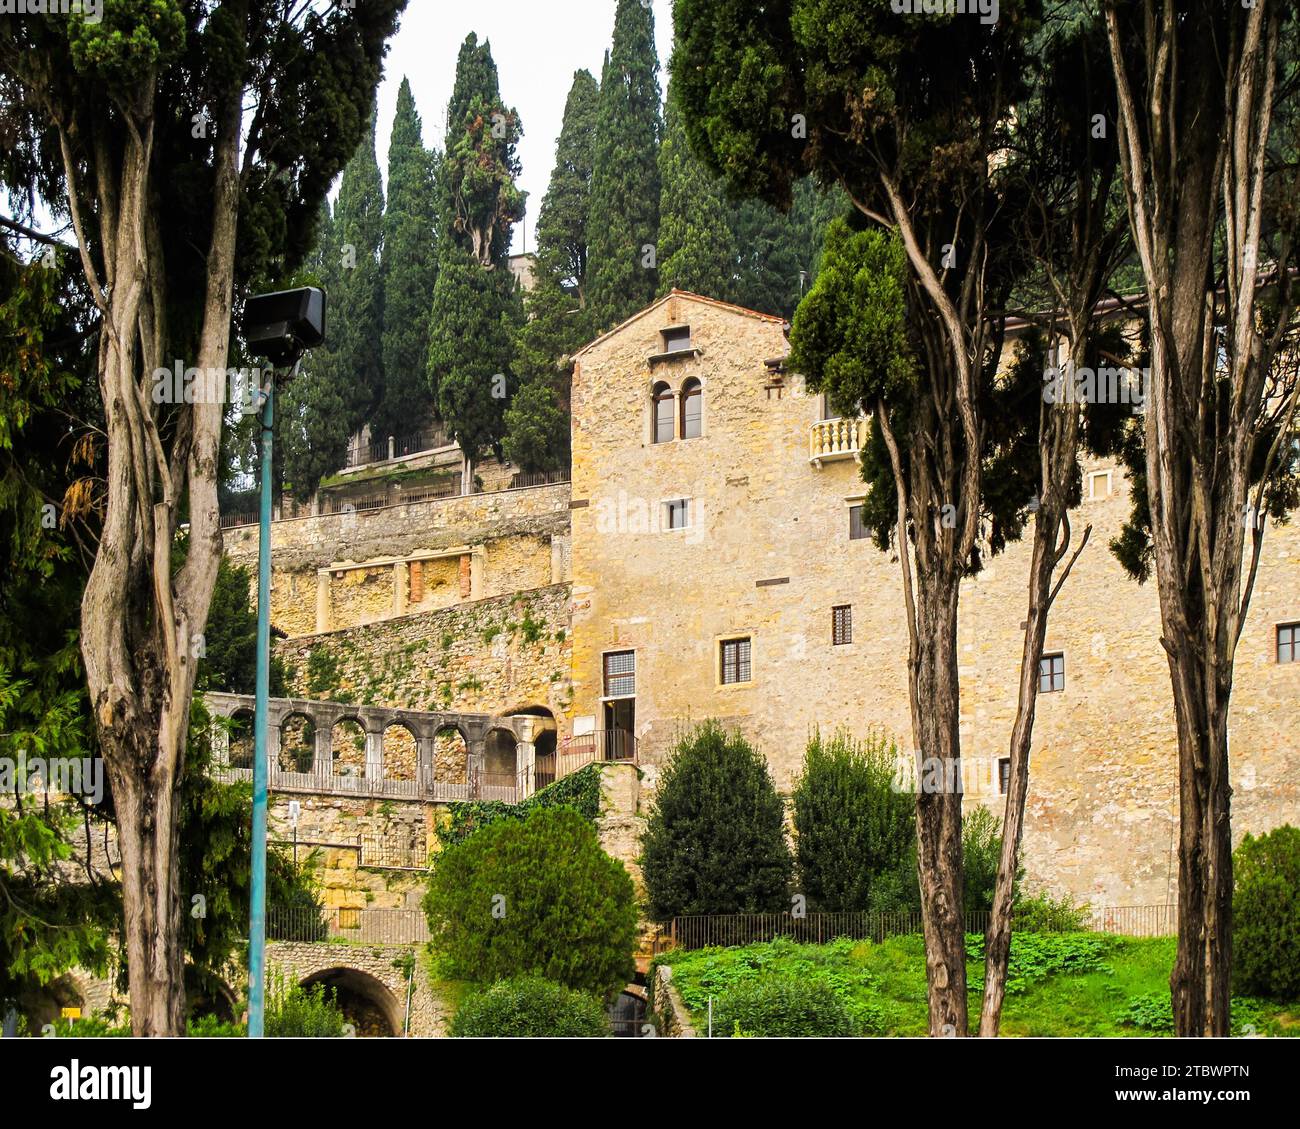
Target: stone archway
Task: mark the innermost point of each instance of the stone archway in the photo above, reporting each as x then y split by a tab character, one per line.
366	1002
500	777
544	734
297	753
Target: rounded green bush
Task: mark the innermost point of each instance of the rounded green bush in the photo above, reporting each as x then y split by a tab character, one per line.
530	1007
534	897
715	839
782	1008
1266	913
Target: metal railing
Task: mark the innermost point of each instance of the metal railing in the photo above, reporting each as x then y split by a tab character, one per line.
522	480
600	745
394	495
397	447
706	930
508	787
317	925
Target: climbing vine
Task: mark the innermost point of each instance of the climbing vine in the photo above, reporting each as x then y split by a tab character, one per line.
579	790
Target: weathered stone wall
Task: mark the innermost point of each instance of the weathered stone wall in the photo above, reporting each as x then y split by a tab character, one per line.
372	973
768	556
343	570
497	655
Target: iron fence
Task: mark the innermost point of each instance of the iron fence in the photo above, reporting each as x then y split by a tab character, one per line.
1137	921
602	745
317	925
451	486
397	447
521	480
701	931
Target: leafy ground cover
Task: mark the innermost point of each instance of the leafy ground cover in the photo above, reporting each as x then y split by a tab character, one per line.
1059	984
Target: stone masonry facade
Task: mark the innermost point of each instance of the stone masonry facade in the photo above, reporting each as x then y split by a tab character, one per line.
515	601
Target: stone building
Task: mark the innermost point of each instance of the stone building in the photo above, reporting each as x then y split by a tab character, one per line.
708	561
720	569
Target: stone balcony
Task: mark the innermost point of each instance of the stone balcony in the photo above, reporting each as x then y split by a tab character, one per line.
831	439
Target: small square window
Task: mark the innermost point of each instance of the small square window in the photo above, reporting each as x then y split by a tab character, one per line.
842	625
620	674
857	522
1288	642
1099	485
677	339
735	667
677	514
1051	673
1004	775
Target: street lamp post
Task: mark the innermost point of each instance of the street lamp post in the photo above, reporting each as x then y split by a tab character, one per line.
280	327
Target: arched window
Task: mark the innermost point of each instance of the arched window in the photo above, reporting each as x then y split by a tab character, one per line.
663	413
692	409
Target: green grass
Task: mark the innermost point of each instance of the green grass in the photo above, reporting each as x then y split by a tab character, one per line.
1059	984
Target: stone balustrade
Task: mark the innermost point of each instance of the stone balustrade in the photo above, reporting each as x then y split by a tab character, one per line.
831	439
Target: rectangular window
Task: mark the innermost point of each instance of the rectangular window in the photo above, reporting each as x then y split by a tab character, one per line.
1004	775
842	624
677	515
1288	642
735	661
677	338
1099	485
857	522
620	674
1051	673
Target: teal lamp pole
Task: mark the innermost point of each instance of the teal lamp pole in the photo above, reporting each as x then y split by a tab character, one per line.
280	327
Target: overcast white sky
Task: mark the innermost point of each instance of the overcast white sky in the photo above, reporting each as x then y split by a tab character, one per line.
537	45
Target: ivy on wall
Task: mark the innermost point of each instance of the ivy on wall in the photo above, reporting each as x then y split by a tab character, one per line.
579	790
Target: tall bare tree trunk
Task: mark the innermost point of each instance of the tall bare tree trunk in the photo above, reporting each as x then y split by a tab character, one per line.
1194	165
141	618
934	694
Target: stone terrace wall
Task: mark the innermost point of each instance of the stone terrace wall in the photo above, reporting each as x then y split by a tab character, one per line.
515	539
490	656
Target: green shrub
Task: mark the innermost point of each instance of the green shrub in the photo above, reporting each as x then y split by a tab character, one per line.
1153	1011
1266	912
210	1027
296	1012
782	1007
530	1007
852	825
1041	913
1036	956
896	889
715	839
534	896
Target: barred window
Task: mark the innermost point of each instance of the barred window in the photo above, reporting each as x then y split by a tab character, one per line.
1288	642
620	674
1004	775
677	515
842	624
1051	673
857	522
735	660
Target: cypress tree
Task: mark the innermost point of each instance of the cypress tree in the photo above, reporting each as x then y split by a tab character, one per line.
410	269
696	247
341	383
778	253
558	322
624	217
476	310
715	840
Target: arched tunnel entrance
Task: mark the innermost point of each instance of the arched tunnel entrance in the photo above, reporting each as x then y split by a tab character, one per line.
365	1001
